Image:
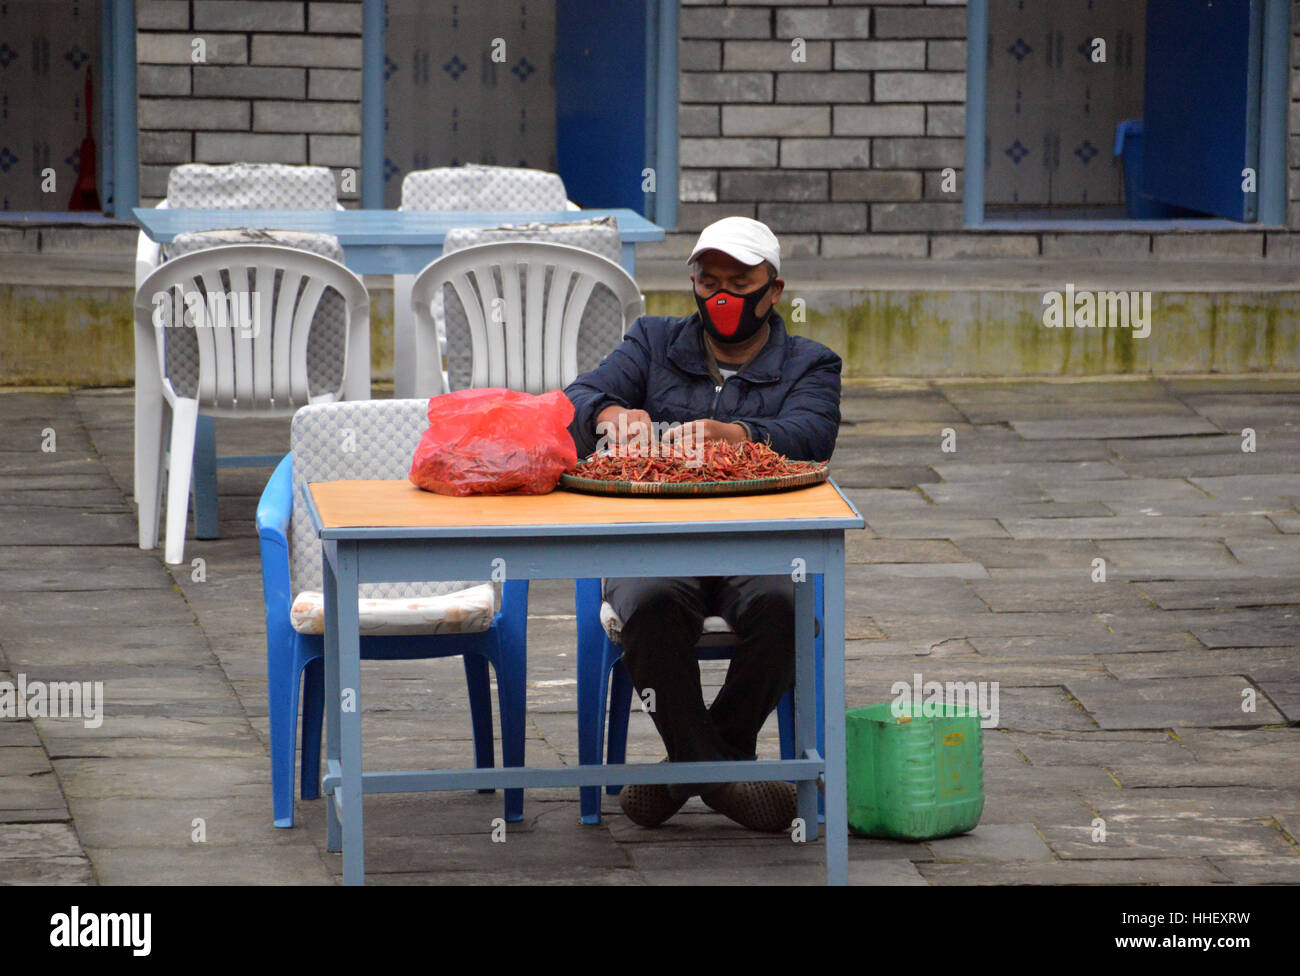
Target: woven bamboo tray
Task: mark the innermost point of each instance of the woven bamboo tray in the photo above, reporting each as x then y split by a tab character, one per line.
751	486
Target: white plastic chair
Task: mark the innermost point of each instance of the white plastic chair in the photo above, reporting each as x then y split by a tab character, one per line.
254	367
470	187
523	305
236	186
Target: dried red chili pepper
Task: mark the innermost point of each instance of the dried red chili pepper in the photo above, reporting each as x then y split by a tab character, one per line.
719	462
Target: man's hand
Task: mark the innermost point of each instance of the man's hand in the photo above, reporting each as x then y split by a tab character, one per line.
634	426
700	431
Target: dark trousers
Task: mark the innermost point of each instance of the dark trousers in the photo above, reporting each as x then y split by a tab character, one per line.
662	623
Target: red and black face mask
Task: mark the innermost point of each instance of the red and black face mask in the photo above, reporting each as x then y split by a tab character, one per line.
729	317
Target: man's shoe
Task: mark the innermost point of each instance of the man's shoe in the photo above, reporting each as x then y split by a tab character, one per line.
768	806
649	804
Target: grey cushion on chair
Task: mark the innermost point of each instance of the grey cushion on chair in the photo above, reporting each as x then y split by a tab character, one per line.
602	321
475	187
251	186
327	343
359	439
326	245
598	235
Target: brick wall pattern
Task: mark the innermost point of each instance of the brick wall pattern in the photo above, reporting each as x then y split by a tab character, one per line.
842	149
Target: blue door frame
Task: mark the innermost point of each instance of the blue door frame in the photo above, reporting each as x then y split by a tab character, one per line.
122	149
658	151
1274	99
372	104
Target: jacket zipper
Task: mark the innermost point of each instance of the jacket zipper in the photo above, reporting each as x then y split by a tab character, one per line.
717	393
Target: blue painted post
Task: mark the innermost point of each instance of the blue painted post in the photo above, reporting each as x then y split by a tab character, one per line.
977	61
1273	114
372	104
126	183
107	80
649	204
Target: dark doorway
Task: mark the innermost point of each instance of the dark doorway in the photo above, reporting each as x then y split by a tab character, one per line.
46	50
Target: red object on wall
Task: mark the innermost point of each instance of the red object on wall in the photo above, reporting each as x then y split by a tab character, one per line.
84	195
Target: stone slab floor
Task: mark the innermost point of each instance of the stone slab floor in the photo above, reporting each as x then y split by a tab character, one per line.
1161	703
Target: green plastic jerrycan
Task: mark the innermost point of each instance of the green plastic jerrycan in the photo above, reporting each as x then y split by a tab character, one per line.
917	775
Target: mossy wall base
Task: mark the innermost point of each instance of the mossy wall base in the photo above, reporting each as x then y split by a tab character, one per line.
82	336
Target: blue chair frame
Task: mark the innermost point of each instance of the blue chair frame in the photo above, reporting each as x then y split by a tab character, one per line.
599	657
292	657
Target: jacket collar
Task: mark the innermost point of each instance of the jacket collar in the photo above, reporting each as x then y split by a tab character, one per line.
687	351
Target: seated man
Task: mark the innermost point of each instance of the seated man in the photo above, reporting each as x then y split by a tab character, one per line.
730	372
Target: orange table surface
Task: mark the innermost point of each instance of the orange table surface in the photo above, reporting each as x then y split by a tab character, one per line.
392	504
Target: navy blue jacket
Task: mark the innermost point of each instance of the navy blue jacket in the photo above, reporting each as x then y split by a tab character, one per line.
788	395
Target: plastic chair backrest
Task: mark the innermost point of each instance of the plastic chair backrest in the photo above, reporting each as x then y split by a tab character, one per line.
602	323
523	303
326	347
251	308
357	440
475	187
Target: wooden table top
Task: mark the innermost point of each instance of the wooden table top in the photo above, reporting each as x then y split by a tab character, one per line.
399	504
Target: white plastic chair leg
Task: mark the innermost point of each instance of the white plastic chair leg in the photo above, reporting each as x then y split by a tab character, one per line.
150	445
404	357
148	404
185	420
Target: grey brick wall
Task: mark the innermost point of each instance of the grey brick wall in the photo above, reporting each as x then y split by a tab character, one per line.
831	122
280	82
843	152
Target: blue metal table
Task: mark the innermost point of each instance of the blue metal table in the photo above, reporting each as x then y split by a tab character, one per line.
375	531
387	242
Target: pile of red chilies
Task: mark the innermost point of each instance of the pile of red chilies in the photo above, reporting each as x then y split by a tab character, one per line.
720	462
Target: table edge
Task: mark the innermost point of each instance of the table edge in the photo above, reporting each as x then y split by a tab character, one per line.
364	533
633	227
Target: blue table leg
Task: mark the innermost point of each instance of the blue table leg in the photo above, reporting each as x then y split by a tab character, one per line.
592	706
333	829
837	826
205	479
805	707
349	705
629	258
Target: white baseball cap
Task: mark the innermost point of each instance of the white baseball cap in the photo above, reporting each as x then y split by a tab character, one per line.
748	241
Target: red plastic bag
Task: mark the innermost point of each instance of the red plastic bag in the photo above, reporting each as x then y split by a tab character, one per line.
495	442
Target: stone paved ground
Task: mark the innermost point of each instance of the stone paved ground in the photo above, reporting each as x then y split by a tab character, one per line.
1120	700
